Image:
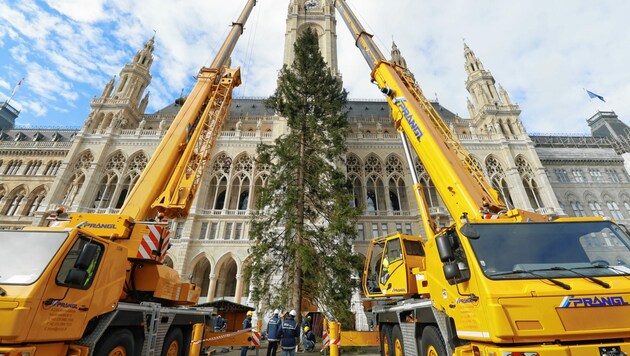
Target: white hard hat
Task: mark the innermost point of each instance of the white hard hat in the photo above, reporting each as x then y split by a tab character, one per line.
292	312
276	312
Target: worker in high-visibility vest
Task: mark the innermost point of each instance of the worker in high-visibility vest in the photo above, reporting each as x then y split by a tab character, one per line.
384	270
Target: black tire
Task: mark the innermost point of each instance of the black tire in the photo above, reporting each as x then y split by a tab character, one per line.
397	342
385	336
432	342
173	342
118	342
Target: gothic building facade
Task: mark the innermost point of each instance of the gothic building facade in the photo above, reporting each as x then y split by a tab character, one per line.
93	169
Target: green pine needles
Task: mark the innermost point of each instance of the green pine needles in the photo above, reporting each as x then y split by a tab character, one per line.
302	253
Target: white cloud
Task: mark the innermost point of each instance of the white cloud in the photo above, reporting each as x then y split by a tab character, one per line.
4	84
48	84
80	10
542	52
34	107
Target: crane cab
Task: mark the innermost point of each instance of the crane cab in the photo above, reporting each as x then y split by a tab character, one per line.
391	266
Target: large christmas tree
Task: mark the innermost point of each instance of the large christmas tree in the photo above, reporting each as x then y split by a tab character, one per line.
302	234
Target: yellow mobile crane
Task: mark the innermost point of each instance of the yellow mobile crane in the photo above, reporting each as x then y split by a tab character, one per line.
95	284
497	281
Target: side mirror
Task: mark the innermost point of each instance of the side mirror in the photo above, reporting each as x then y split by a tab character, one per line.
76	278
87	255
469	231
451	271
443	245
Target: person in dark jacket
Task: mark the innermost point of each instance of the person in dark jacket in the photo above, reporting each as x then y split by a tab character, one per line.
290	334
247	324
306	321
274	333
309	339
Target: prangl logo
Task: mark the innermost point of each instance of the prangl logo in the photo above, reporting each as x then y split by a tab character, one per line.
100	226
400	103
573	302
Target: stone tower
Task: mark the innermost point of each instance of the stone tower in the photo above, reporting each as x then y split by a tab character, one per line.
319	15
120	105
491	110
512	164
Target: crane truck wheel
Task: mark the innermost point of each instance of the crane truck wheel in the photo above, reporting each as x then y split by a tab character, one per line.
432	342
385	337
397	341
116	343
173	343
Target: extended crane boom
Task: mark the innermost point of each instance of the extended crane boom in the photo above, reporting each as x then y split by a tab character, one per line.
458	180
169	182
496	281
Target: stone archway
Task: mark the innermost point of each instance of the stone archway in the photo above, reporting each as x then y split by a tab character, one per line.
201	277
227	274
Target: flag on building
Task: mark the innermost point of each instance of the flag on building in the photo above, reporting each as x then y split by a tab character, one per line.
593	95
17	86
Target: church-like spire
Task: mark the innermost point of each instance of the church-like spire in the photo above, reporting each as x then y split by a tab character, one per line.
108	88
397	57
473	64
144	57
123	106
480	82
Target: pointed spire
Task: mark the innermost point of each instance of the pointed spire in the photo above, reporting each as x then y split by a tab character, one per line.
143	104
108	88
397	57
504	96
471	108
473	64
144	57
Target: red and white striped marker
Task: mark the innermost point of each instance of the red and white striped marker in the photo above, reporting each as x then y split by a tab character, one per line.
151	242
255	338
326	340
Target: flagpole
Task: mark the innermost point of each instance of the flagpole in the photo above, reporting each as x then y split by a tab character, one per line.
13	93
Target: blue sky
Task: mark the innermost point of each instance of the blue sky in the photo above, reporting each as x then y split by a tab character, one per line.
544	53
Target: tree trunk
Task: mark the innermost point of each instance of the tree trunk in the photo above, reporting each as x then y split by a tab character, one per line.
297	274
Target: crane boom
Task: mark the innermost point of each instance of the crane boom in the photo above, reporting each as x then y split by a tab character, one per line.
462	185
169	182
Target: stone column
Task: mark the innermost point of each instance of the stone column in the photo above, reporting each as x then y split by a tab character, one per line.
213	287
239	288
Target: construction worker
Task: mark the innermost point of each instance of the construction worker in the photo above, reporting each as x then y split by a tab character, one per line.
247	324
274	333
306	321
290	334
218	324
309	339
385	270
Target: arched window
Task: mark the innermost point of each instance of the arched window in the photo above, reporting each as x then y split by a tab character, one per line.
76	182
397	191
529	183
614	210
242	170
354	169
498	181
243	200
17	200
595	207
38	199
372	202
133	171
375	190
